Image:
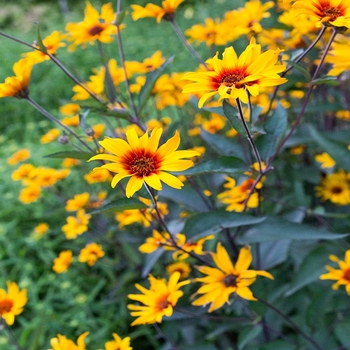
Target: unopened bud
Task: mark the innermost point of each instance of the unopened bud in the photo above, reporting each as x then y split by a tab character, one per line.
89	132
63	139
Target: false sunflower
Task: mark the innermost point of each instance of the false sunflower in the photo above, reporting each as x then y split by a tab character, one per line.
342	276
17	86
233	76
219	283
62	343
95	26
167	11
118	343
12	302
142	160
158	301
327	12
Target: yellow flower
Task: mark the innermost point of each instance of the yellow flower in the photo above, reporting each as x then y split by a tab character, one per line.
296	150
142	160
167	11
19	156
247	19
91	253
141	216
79	201
326	160
52	43
71	121
70	162
235	196
158	301
157	240
12	302
212	33
234	76
40	230
63	261
69	109
118	343
339	56
345	115
30	194
50	136
76	225
342	276
180	266
22	173
148	64
325	12
335	187
95	26
227	278
97	176
17	86
62	343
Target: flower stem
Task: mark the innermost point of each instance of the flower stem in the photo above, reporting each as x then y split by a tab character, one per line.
13	340
292	323
306	100
49	116
186	43
166	229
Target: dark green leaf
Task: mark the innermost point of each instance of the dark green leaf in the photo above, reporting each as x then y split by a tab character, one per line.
121	204
342	332
151	79
301	69
220	165
231	113
274	228
82	119
247	335
150	260
215	221
332	81
120	17
39	42
337	151
70	154
273	253
223	145
275	127
109	86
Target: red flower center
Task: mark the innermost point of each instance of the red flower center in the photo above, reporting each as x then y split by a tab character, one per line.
336	189
142	165
163	303
332	13
232	79
5	306
230	281
347	275
95	30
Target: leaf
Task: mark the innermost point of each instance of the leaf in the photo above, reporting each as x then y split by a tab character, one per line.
70	154
274	228
310	269
231	113
247	335
332	81
337	151
121	204
220	165
301	69
39	42
275	127
215	221
150	260
82	119
273	253
342	332
223	145
120	17
151	79
109	85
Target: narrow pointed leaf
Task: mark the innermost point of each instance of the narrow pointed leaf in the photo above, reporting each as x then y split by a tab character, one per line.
220	165
70	154
231	113
120	204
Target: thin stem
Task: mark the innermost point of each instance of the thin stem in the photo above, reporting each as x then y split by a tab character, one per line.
306	100
292	323
13	340
164	336
166	229
249	136
135	118
180	35
45	113
312	45
57	62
